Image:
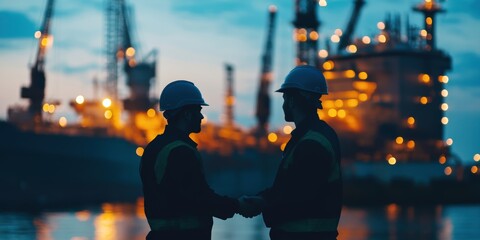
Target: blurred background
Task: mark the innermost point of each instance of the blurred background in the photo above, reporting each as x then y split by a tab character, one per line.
79	102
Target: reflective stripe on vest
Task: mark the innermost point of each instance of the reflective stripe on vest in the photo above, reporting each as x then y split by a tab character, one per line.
318	137
310	225
181	223
162	158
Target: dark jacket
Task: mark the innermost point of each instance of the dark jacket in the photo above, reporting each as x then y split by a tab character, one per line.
182	191
305	189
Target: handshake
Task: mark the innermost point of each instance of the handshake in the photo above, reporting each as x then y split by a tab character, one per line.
250	206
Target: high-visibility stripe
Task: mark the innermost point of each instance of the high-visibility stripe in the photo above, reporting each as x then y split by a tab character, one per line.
318	137
183	223
162	157
310	225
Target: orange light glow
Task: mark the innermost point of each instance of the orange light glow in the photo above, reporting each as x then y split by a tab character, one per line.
332	112
287	129
443	79
323	53
350	73
392	161
322	3
423	100
424	78
79	99
476	157
51	108
352	48
363	97
83	215
44	42
423	33
301	37
339	103
352	102
272	137
411	120
130	52
139	151
448	171
37	34
444	106
474	169
328	104
151	112
313	35
338	32
392	211
108	114
444	93
381	25
335	38
442	159
429	20
449	141
362	75
444	120
230	100
411	144
282	147
45	107
62	122
399	140
382	38
366	40
328	65
107	102
341	113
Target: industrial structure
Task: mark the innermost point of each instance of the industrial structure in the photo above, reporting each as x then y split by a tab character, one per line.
386	101
386	91
266	77
35	93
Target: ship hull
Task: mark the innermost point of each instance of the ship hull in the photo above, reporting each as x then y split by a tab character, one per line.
42	170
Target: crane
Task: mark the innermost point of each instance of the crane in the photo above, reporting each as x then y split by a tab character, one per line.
346	38
35	93
263	97
140	73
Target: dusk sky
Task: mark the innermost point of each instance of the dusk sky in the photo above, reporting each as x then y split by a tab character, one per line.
196	38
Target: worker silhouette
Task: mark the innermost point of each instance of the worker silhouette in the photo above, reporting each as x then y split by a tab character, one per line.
179	204
305	199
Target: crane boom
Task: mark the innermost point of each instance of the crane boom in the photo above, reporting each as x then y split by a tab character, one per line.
263	97
35	93
346	39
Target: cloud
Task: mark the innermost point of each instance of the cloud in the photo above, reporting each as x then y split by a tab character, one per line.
16	25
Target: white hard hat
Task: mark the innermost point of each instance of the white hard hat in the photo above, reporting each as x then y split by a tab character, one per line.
180	93
306	78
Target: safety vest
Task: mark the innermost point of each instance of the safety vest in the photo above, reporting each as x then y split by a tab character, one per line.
313	224
177	223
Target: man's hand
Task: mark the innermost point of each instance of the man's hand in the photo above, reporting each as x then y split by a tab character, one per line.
250	206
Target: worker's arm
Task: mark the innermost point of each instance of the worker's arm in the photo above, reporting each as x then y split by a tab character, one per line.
191	188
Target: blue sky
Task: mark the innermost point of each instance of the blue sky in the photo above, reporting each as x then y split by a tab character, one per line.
195	38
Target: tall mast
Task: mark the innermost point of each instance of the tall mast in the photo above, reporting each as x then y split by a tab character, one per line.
266	77
429	8
306	32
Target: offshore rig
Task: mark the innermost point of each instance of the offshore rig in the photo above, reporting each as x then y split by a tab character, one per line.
386	102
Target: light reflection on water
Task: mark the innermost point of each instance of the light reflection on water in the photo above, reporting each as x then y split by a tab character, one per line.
127	221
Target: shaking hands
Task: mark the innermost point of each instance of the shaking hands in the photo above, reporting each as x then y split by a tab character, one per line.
250	206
